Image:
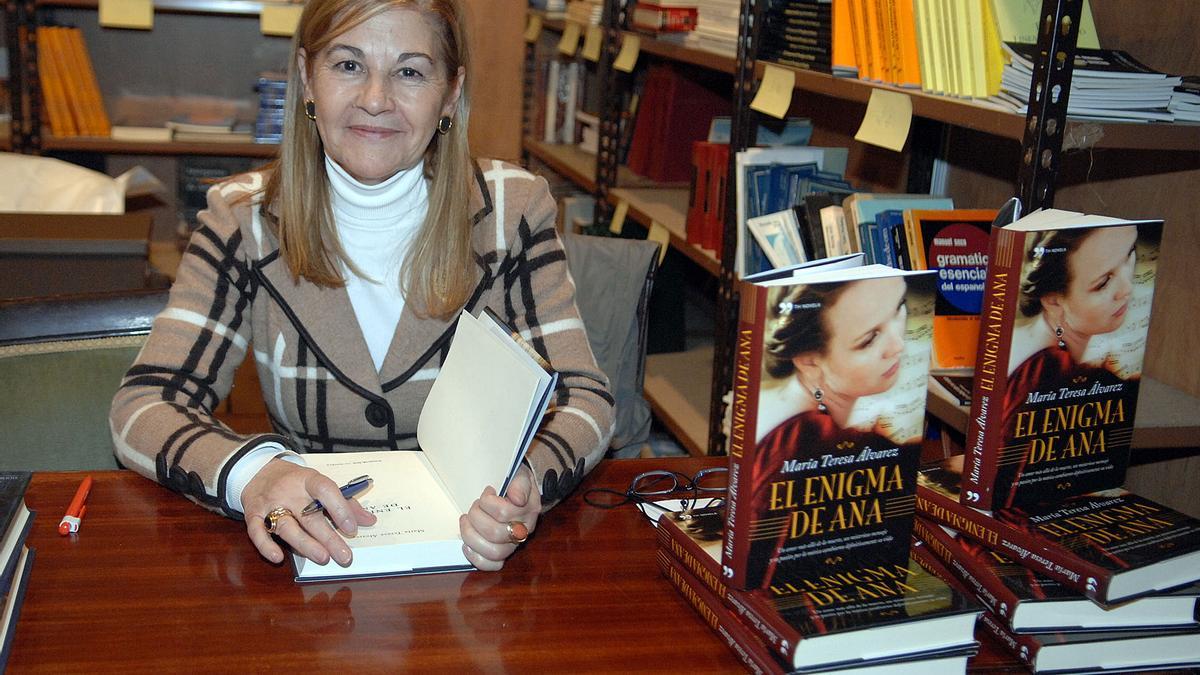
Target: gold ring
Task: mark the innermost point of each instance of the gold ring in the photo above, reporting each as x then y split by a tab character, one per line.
512	535
278	513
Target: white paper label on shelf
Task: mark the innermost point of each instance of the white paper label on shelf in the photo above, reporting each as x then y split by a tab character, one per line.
626	59
534	28
569	44
659	233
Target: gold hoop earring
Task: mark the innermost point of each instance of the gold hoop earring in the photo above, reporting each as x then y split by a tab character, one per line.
444	125
310	109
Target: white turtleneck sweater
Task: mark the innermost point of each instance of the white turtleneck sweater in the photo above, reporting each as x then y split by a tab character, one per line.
376	224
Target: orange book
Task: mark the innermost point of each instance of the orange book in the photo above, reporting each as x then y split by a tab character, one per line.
843	38
858	29
875	51
954	242
54	97
906	43
59	48
98	116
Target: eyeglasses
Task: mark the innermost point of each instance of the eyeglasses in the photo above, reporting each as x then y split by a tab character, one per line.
647	488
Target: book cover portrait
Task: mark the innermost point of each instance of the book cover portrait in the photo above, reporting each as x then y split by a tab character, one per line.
841	402
1078	341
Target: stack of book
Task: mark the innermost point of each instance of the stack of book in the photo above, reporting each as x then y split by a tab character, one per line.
585	12
1076	573
812	565
799	33
202	129
15	557
716	28
1185	100
1106	85
272	93
70	93
769	181
665	16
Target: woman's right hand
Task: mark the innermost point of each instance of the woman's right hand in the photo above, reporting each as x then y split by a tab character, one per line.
291	486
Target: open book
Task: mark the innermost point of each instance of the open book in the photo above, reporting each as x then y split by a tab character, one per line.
477	423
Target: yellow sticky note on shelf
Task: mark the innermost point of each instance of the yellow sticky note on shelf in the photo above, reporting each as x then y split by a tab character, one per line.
774	95
659	232
593	40
626	59
533	28
279	19
888	118
127	14
618	217
569	43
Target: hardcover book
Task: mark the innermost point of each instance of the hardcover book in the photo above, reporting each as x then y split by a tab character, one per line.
955	243
1059	360
15	519
1116	651
1111	545
477	422
1031	603
828	411
14	585
885	617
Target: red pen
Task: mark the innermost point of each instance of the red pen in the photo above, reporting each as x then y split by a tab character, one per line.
70	522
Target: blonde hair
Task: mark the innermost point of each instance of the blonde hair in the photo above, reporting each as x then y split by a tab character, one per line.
438	271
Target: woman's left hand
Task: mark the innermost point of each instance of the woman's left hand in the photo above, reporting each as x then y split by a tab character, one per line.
485	528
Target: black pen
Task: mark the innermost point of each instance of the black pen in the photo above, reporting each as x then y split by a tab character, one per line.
355	486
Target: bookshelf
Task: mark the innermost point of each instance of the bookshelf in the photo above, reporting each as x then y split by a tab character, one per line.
985	145
113	147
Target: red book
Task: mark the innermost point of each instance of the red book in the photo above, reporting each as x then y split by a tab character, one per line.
1111	545
716	614
1032	603
1057	370
697	214
718	198
827	423
1116	651
849	620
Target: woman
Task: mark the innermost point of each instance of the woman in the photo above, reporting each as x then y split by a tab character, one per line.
1076	284
344	265
830	346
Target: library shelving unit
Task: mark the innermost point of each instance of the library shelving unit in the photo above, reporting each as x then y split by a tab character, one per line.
125	50
1033	174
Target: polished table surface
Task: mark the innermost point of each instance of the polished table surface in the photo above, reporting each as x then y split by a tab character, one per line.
154	583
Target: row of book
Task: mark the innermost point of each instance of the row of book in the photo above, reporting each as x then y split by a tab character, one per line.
16	559
71	98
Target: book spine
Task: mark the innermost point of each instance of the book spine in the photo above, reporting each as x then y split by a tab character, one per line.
688	553
718	617
761	617
742	437
986	586
1023	647
1026	549
984	430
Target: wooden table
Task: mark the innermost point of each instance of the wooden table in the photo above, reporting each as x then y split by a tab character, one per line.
155	583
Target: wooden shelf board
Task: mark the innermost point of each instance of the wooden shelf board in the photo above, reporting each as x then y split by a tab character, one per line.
668	207
228	7
108	145
580	167
959	112
678	385
1166	417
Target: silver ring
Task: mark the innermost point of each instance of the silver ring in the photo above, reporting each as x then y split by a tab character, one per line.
271	520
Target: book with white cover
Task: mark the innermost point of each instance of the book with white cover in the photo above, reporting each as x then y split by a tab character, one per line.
478	420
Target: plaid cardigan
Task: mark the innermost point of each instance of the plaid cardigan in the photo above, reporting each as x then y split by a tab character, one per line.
234	294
